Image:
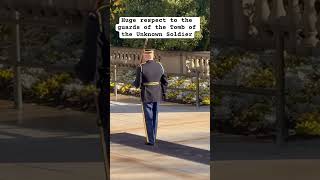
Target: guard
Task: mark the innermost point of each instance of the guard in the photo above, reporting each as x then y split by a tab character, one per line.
94	67
152	80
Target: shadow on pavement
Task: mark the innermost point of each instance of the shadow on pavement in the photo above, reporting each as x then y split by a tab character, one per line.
229	147
52	138
163	147
22	149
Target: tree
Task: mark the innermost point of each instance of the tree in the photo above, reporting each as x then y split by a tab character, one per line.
173	8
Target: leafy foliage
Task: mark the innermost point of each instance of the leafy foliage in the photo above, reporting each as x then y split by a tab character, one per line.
6	80
159	8
309	124
262	78
186	96
5	31
253	119
51	89
225	60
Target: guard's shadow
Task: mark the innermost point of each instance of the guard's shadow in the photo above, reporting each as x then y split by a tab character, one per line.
163	147
229	147
22	149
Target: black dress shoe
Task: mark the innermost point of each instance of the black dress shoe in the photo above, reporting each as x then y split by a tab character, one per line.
149	144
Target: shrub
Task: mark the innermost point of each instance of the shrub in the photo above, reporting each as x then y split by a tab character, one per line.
87	91
206	101
6	81
253	119
308	124
180	96
112	85
86	96
51	89
125	89
262	78
6	77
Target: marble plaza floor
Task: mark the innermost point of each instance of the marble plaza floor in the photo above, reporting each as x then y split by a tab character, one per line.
49	143
182	150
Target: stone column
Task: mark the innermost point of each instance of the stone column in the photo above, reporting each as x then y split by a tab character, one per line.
277	11
318	28
240	21
222	17
309	23
261	18
262	11
207	64
294	17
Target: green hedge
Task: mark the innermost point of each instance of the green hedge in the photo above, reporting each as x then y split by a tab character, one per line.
242	113
179	96
308	124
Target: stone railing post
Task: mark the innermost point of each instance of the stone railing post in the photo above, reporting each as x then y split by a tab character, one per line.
277	11
137	57
224	24
294	13
318	28
17	54
294	17
309	23
240	21
207	67
262	14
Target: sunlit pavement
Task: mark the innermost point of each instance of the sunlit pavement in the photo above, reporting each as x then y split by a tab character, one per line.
44	143
47	143
182	150
249	158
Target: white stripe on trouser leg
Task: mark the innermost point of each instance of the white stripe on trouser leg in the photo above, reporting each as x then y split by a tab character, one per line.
155	116
145	123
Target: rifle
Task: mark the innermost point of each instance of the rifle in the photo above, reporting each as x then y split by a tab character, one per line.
97	45
103	83
141	60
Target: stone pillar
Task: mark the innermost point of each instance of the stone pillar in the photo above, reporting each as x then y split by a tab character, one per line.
261	18
262	11
277	11
222	16
207	64
318	28
17	54
294	17
240	21
309	23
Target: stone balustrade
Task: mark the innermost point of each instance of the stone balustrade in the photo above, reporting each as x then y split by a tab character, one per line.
175	62
252	23
197	63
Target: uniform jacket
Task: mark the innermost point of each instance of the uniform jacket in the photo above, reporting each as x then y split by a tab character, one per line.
150	72
91	59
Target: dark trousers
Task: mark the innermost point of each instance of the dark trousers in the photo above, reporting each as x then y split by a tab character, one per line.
150	112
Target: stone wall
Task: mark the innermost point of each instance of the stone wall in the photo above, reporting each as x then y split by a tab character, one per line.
175	62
